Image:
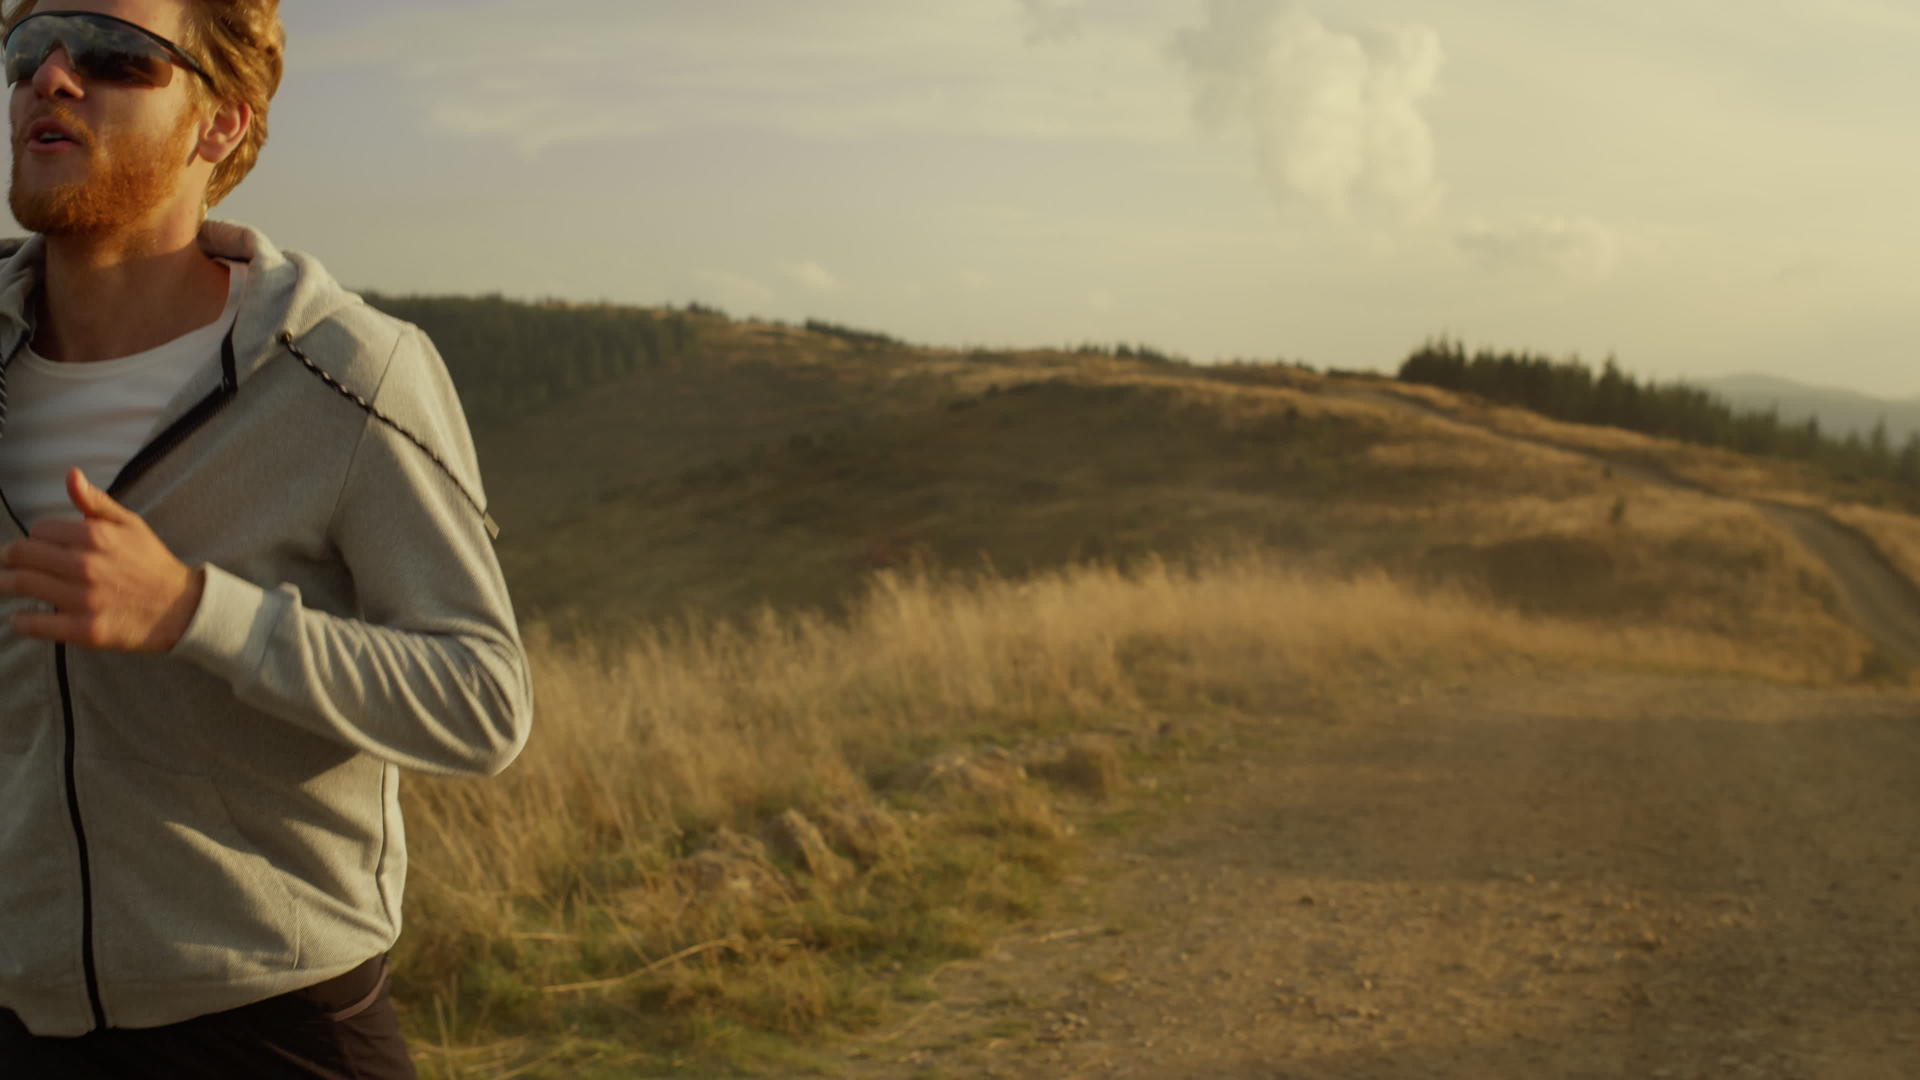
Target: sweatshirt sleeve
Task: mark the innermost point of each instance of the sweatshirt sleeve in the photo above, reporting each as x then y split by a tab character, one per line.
431	674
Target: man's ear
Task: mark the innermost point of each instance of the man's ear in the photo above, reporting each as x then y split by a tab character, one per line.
223	130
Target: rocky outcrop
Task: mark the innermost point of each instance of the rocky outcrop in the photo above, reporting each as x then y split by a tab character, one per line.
867	833
735	868
1088	764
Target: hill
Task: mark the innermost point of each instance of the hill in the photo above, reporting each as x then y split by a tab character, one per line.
1571	390
760	465
1840	412
843	646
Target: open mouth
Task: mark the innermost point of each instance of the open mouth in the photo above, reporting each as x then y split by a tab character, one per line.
49	135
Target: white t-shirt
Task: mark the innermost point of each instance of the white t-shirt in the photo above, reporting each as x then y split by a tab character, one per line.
95	416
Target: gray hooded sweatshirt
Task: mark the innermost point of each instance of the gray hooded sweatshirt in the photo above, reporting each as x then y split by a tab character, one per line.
188	833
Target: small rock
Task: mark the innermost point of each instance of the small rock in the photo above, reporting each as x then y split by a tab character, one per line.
866	832
995	781
1090	764
799	840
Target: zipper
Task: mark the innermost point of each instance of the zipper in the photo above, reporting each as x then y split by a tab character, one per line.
17	523
80	836
148	456
11	357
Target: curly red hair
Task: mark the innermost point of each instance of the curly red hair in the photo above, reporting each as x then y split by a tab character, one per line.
242	45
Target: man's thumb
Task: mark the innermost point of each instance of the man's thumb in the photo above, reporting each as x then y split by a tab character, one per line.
87	499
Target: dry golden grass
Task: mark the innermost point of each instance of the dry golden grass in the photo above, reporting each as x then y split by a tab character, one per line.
547	908
1718	470
1897	535
1099	462
607	904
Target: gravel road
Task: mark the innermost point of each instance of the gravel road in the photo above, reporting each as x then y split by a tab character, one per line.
1615	877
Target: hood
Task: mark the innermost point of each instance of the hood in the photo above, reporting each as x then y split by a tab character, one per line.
287	292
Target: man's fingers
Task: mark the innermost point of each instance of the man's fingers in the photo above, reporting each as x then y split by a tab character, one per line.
61	561
68	532
64	629
90	500
44	587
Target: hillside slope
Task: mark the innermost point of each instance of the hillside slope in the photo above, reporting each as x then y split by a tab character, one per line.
783	469
1418	561
1877	597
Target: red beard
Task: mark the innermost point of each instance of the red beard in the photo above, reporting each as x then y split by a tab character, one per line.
126	180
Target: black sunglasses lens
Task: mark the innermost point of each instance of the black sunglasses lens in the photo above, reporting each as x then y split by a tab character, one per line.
137	69
102	51
27	46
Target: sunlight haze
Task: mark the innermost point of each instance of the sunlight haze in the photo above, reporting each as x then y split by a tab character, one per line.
1701	188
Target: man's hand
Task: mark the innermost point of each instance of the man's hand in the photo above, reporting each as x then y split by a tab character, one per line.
111	583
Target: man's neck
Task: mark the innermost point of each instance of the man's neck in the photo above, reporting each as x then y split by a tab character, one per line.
103	299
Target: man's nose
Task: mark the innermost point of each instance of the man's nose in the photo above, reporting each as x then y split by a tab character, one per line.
56	77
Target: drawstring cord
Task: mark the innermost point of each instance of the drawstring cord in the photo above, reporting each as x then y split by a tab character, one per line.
286	339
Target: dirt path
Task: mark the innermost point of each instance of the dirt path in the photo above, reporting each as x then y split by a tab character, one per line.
1883	602
1619	877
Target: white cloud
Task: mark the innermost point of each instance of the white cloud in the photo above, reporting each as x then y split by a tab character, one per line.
1050	22
1334	116
811	275
1575	247
731	290
975	280
1101	300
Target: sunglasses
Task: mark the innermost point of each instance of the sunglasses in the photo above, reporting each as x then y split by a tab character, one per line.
99	47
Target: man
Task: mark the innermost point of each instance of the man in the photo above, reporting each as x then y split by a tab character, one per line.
247	576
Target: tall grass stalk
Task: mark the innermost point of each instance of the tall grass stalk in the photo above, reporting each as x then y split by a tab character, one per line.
564	870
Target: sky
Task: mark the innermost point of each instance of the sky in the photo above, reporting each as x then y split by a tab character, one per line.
1699	187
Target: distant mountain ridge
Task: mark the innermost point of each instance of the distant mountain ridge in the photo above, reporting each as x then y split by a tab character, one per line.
1839	411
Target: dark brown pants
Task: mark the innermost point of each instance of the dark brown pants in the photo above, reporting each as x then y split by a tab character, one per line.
342	1029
